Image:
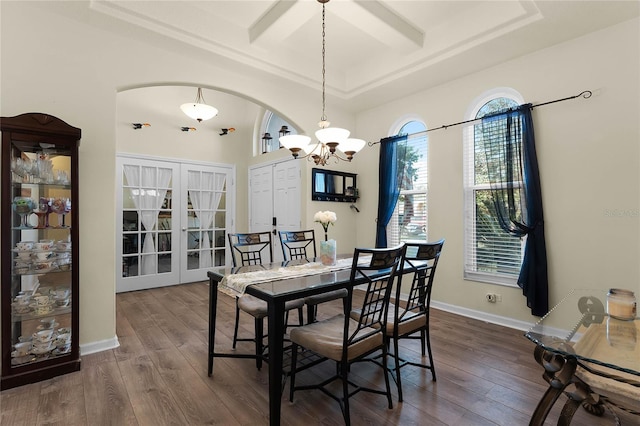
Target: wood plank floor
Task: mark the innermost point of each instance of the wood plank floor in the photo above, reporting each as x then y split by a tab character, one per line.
158	376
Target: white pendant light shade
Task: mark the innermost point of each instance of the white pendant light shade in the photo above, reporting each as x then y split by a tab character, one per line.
332	134
295	141
199	110
352	145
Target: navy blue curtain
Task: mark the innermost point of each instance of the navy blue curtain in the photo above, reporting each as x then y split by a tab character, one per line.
512	167
389	180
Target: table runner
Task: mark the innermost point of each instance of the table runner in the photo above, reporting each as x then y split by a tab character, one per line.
235	285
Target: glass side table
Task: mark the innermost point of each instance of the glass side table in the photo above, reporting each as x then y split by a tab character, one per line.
591	357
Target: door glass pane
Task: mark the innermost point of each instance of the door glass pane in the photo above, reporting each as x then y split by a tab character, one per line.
130	243
129	221
193	260
130	266
164	263
164	241
129	198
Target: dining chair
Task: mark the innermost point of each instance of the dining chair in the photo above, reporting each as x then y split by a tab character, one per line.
252	249
345	340
301	245
407	319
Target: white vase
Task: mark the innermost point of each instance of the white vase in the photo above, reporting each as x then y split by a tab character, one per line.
328	252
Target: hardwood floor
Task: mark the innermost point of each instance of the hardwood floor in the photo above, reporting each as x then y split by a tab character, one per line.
158	376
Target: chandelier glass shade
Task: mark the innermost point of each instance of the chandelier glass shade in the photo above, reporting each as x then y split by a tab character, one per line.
199	110
330	139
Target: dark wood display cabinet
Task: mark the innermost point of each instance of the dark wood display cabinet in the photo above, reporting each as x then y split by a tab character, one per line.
39	249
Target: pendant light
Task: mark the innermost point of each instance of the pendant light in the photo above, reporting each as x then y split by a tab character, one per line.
199	110
330	139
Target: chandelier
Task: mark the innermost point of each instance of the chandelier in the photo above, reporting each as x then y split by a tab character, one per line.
199	110
330	139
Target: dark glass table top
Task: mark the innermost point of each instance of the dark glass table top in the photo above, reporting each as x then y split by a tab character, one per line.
580	326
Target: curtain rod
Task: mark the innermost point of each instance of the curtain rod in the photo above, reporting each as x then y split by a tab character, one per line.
585	94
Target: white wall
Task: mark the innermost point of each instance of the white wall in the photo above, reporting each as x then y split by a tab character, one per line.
589	157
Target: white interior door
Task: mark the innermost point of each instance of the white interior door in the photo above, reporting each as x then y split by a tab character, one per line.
173	218
275	200
205	200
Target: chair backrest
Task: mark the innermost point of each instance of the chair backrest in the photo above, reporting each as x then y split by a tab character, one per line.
373	315
298	244
424	258
251	249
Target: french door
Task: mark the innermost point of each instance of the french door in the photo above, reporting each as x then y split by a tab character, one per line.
173	220
275	201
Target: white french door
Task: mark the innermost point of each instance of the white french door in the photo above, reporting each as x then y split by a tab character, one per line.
275	200
204	228
172	220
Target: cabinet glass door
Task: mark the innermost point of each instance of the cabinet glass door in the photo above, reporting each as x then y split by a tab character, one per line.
41	252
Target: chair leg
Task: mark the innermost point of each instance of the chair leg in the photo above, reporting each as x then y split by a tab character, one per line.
396	357
344	373
423	334
300	317
311	313
294	359
235	329
259	324
433	367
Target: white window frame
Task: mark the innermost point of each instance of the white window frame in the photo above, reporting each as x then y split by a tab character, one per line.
271	123
470	188
393	231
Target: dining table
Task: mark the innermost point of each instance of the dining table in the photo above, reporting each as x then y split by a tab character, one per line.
588	354
276	283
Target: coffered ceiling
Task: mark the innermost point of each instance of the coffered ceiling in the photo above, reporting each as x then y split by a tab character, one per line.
376	49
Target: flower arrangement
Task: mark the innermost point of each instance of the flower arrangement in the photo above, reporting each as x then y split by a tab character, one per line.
325	219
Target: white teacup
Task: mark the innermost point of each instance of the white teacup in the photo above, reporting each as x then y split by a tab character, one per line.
63	255
63	339
44	245
43	255
42	300
41	265
42	336
24	255
61	293
63	245
23	299
22	349
43	346
25	245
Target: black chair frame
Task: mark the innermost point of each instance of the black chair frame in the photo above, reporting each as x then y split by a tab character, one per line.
250	246
298	244
375	306
421	259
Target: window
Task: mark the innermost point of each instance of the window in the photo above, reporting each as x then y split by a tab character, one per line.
273	124
409	220
491	254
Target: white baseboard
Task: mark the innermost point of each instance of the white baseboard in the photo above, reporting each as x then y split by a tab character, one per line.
482	316
102	345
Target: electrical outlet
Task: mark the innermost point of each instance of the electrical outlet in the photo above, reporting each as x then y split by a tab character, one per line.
491	297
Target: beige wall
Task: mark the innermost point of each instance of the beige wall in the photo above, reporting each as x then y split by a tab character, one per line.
58	59
588	150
